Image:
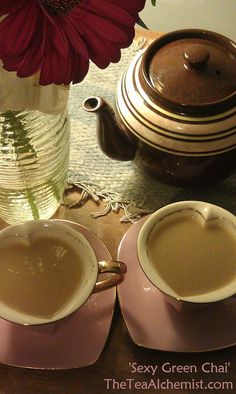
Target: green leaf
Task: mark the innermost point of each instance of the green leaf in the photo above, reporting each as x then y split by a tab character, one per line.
142	24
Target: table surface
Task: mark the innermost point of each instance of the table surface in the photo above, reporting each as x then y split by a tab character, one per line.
119	351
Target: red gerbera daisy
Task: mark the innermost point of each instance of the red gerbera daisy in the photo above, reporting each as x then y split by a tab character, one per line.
58	37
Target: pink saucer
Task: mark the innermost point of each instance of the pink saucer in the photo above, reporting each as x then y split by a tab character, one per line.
153	323
76	341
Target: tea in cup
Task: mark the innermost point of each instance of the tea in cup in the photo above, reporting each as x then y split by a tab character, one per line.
188	251
48	270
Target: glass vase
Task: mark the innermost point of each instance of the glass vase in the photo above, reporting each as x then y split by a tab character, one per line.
34	155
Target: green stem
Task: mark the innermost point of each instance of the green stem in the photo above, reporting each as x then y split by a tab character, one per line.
32	205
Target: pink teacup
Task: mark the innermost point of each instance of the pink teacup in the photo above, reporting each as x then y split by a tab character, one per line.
214	266
48	271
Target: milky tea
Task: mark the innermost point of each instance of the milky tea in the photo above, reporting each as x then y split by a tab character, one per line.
39	276
191	255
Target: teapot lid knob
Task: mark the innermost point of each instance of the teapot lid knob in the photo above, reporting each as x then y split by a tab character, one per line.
196	56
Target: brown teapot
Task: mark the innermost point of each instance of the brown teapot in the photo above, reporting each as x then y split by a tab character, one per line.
175	109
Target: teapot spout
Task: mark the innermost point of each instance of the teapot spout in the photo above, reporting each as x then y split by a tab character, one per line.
112	138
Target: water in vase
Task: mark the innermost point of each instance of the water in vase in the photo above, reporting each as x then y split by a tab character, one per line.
34	155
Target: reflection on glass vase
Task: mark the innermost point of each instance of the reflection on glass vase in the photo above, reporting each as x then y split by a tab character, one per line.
34	155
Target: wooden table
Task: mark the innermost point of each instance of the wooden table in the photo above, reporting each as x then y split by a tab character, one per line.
119	350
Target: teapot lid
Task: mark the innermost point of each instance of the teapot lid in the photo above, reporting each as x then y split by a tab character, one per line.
191	72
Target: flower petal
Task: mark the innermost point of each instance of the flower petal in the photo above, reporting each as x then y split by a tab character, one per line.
61	65
11	42
80	68
26	65
58	70
101	26
32	61
57	56
12	63
55	34
111	11
9	6
132	6
101	52
73	36
60	46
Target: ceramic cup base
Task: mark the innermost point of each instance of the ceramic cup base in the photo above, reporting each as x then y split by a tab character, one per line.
154	323
74	342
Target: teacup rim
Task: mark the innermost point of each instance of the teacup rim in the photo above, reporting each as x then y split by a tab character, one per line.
142	239
29	320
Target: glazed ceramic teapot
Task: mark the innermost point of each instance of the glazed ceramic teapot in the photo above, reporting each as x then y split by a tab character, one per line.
175	109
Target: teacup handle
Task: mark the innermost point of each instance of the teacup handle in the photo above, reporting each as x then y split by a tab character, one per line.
116	268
